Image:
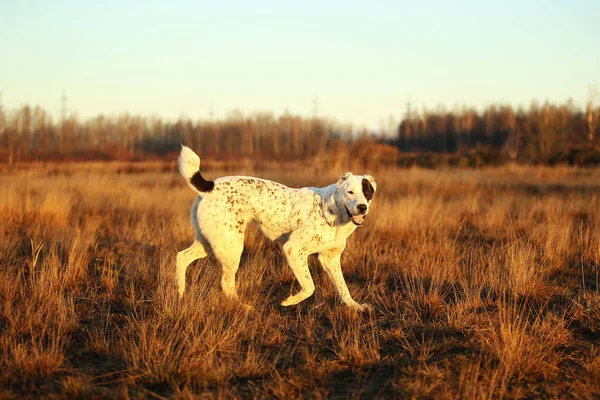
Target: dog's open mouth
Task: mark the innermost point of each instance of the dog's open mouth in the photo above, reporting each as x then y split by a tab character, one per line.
357	219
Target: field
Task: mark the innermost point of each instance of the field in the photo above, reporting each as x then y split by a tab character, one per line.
484	284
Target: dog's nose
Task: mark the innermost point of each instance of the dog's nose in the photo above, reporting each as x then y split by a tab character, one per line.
362	208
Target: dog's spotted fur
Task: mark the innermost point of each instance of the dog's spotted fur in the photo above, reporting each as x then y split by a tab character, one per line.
304	221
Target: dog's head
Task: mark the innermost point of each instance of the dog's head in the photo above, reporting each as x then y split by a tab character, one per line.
354	194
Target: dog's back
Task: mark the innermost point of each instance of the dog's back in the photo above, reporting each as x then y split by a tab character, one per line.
239	200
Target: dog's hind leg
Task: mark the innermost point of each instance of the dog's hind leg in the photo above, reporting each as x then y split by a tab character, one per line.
229	252
184	259
299	263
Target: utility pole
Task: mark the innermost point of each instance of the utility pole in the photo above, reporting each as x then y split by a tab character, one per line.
10	134
2	120
1	116
63	116
315	106
63	108
211	111
591	115
405	128
2	129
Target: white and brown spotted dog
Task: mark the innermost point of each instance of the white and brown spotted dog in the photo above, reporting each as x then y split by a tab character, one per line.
304	221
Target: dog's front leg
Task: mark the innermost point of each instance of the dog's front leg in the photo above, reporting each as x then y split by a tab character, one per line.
299	263
333	267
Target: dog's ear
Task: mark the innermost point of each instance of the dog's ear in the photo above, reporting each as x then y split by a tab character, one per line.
343	177
371	181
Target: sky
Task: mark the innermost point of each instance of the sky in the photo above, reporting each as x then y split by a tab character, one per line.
361	62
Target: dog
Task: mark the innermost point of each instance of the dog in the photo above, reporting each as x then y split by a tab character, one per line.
303	221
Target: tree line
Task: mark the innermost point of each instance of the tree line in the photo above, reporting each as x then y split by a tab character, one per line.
30	133
543	133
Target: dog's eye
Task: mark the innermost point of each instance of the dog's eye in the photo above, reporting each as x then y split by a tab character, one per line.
350	192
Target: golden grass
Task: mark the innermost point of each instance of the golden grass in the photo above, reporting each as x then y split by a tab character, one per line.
485	285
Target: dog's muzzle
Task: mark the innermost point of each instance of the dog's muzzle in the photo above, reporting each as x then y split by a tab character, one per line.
357	219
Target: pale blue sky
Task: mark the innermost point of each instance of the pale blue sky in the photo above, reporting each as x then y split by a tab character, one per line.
362	61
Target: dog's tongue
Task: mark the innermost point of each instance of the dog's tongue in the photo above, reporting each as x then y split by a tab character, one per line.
358	218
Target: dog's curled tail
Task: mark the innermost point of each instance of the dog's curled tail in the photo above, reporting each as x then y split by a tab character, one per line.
189	168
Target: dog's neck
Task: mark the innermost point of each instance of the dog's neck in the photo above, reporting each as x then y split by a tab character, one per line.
334	212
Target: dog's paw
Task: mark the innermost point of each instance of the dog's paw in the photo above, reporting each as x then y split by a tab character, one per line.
364	307
288	302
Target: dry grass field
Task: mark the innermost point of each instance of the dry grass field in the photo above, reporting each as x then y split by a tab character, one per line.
484	284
